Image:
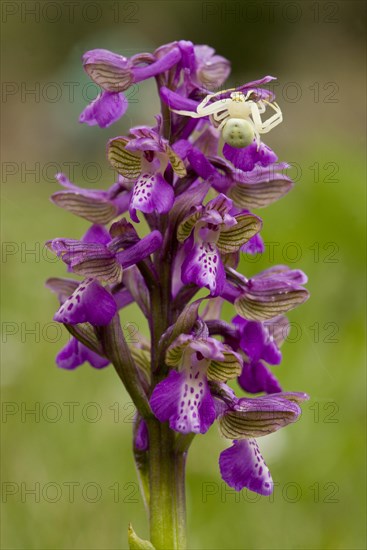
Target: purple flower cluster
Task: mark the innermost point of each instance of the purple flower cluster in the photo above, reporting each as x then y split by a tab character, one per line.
194	176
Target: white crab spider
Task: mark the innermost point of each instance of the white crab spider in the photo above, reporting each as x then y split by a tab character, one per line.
237	117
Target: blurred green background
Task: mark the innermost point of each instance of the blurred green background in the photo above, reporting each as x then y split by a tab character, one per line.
68	480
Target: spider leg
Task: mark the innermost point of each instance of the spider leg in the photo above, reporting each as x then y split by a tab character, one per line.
274	120
221	125
261	107
199	108
218	117
215	107
257	136
192	114
255	115
267	125
210	96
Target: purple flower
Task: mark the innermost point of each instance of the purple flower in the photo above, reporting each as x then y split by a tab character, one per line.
241	420
209	232
247	158
184	397
212	69
238	115
105	109
252	189
260	344
94	205
80	307
268	294
242	465
200	69
145	158
98	256
197	207
75	354
114	74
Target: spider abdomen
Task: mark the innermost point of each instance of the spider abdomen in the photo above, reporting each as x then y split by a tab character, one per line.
238	133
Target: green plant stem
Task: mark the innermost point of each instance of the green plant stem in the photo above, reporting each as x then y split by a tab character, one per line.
167	511
180	499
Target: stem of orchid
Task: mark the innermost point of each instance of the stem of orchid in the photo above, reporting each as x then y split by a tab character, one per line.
180	499
167	507
167	489
117	351
166	113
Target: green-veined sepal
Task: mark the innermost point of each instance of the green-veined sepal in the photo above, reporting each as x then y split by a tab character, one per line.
265	307
127	163
232	238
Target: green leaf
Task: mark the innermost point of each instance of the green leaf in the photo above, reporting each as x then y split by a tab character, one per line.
127	163
136	543
232	238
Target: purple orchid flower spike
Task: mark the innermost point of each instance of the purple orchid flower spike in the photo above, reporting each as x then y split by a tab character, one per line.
184	397
144	158
209	232
245	419
197	212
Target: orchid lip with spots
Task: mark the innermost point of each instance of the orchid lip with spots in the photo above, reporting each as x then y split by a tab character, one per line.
194	175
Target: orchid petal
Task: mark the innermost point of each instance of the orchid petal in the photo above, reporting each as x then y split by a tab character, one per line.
75	354
80	307
242	465
105	109
151	194
203	266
